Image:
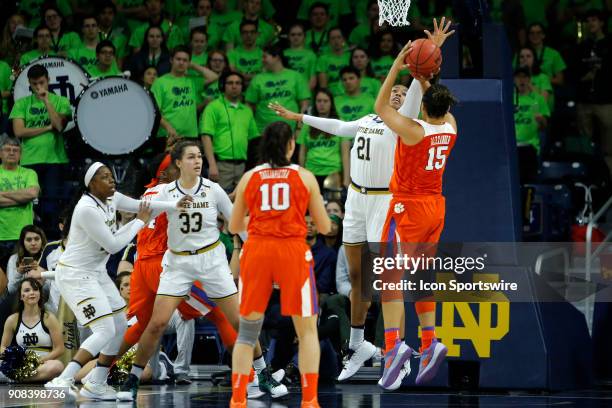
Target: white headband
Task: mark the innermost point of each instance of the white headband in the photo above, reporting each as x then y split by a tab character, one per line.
91	172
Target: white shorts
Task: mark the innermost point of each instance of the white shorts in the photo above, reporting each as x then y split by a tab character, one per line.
210	268
364	217
90	295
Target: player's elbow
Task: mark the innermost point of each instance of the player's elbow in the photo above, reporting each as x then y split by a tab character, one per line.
324	226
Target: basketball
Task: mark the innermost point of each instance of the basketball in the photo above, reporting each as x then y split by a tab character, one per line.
424	57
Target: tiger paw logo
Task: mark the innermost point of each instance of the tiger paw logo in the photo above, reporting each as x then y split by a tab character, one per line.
399	208
308	256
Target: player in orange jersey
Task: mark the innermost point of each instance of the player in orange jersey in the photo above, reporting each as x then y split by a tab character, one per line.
416	211
276	195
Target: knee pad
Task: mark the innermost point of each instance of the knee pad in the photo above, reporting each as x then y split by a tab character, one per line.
248	331
112	347
103	331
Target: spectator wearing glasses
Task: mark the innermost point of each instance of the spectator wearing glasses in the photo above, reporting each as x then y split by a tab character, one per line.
106	64
550	61
42	42
266	33
247	58
85	55
18	189
62	40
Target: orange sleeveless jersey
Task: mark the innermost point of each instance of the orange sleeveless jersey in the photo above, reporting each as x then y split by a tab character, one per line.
277	200
418	169
153	239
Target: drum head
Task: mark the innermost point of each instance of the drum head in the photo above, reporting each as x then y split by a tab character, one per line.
66	78
116	115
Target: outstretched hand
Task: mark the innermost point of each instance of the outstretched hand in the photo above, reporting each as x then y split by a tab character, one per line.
441	32
400	60
284	112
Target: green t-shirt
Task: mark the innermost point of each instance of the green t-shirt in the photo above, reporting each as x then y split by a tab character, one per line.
176	99
535	11
323	154
541	83
369	86
302	60
331	64
222	21
382	65
196	77
180	11
354	107
132	23
67	42
286	87
33	8
94	72
360	36
47	148
173	33
246	62
336	8
32	55
426	16
14	218
551	61
119	40
211	91
267	34
317	41
525	122
230	127
5	84
85	57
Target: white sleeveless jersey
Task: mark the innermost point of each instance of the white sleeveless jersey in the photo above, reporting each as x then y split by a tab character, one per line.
82	252
372	153
35	338
197	226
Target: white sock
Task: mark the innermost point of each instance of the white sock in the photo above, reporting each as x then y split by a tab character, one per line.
71	370
259	364
137	371
98	374
356	338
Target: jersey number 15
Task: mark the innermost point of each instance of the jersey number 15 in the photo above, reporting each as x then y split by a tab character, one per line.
437	158
275	198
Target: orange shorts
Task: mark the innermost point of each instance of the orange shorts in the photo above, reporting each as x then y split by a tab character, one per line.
144	282
287	263
413	227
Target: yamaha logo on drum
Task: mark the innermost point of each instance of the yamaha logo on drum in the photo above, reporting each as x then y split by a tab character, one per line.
111	90
53	64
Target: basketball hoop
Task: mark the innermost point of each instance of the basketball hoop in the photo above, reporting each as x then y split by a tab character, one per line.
395	12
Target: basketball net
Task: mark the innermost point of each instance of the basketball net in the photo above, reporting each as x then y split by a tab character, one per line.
395	12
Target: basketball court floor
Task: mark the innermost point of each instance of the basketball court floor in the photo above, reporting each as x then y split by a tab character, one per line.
359	394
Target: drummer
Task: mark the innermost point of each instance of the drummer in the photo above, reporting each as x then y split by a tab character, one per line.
105	66
38	120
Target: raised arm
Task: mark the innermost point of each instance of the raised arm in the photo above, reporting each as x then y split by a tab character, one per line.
125	203
409	131
412	103
332	126
97	229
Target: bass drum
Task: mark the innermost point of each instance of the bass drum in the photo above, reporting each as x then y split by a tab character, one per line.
116	115
66	78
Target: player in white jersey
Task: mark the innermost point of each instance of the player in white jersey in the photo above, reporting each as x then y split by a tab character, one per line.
194	253
371	167
82	278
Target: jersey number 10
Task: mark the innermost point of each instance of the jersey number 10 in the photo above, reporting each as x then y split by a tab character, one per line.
437	158
275	198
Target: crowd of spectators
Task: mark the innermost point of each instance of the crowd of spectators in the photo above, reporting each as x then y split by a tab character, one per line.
213	66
